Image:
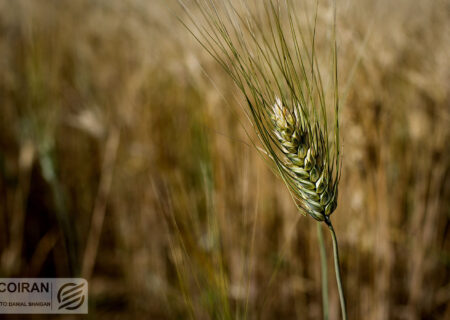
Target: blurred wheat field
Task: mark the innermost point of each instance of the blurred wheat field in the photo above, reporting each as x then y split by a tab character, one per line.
124	159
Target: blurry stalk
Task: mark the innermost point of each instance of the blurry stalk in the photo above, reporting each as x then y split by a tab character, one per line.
11	255
324	275
98	215
48	168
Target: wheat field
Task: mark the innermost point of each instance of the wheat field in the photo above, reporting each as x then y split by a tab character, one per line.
125	160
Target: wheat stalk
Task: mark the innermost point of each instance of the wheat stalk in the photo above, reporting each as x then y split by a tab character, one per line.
262	45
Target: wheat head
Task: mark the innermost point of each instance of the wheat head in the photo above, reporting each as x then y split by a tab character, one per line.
265	49
262	45
305	161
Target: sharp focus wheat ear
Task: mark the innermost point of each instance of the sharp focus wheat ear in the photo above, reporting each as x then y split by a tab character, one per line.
264	48
304	160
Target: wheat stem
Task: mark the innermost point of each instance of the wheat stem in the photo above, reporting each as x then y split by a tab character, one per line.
324	274
337	269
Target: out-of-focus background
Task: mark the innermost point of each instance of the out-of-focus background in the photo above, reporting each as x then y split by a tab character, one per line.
124	160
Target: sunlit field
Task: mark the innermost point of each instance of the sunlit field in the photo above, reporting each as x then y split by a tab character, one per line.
127	159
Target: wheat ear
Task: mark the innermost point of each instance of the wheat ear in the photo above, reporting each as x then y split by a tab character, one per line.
305	161
263	46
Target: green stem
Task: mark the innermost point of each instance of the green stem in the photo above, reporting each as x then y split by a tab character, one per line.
323	262
338	270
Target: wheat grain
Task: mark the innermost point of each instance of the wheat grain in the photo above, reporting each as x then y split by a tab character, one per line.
307	164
